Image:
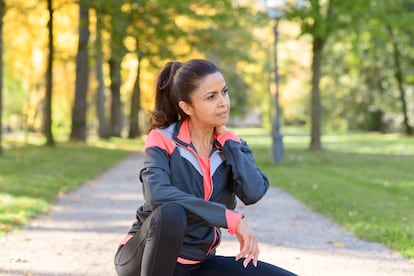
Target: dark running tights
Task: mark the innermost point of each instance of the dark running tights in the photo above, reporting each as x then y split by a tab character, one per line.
153	250
165	228
227	266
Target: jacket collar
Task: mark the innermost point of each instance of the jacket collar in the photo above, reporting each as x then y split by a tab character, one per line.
181	133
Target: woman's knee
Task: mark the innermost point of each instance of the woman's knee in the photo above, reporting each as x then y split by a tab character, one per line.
171	218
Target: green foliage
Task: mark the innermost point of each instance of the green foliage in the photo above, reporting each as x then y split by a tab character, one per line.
359	87
186	29
366	84
365	182
33	176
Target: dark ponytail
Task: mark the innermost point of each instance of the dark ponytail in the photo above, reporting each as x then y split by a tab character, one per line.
166	104
176	82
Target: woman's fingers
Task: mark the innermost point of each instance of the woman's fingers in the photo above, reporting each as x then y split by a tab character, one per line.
252	254
249	248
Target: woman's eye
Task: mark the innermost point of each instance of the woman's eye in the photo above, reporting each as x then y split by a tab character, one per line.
210	97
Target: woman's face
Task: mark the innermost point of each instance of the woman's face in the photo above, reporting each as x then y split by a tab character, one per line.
210	103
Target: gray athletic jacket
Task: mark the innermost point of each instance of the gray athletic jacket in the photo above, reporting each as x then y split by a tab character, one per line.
205	187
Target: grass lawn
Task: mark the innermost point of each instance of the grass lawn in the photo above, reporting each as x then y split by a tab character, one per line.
31	176
365	182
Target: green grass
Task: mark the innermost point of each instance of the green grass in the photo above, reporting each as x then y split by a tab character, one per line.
31	176
365	182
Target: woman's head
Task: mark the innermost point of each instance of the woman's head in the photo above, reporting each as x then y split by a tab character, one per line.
177	82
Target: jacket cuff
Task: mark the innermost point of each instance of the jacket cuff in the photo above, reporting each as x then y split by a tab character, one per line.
227	135
233	219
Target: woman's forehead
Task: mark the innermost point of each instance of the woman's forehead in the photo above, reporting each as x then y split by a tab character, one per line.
212	82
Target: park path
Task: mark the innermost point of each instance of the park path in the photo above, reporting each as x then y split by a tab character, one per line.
80	234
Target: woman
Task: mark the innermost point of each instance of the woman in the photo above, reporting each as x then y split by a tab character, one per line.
193	170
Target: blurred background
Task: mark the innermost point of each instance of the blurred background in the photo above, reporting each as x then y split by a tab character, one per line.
86	68
80	75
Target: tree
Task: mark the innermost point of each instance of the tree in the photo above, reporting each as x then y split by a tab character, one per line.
209	29
2	12
103	129
165	30
320	19
116	104
151	46
47	107
118	28
399	78
79	126
370	88
399	35
228	43
320	32
134	127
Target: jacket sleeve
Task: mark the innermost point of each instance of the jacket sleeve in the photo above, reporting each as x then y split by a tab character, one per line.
158	190
250	184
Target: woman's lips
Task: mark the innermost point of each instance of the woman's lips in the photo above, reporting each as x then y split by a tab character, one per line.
223	114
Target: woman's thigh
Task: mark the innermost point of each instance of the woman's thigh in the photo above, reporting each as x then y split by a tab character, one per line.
128	256
227	266
153	249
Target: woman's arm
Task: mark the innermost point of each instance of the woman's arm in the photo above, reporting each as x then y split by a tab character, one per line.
158	189
250	183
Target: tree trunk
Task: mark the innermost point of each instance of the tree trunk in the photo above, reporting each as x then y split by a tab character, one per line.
134	128
398	74
116	109
2	12
103	129
315	143
79	128
47	106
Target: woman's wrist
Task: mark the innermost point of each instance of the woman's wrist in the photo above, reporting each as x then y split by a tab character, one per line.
233	218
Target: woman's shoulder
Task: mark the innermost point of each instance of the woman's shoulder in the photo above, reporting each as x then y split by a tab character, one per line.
167	131
162	138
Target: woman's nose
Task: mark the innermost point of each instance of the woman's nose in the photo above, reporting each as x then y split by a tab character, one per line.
223	100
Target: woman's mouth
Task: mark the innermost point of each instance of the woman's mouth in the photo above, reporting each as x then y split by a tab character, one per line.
223	114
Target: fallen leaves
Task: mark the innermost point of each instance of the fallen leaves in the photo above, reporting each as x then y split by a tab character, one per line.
336	244
18	260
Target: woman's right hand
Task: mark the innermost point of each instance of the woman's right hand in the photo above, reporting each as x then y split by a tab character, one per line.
249	246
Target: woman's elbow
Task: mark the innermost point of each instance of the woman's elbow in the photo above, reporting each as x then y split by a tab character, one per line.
254	196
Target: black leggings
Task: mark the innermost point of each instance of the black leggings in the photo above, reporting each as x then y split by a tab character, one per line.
165	229
227	266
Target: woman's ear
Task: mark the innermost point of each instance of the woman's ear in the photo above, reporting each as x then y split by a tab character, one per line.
187	108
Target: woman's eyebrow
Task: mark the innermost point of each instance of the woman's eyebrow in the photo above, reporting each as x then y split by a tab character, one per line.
215	91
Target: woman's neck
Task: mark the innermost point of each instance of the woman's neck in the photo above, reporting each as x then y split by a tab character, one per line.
201	138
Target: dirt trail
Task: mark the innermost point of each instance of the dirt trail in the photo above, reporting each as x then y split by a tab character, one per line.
80	234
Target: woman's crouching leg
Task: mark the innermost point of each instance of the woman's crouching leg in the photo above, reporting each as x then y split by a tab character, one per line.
153	250
165	240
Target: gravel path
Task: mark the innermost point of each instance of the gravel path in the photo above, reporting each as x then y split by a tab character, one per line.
80	234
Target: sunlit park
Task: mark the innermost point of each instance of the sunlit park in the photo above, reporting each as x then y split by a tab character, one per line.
321	90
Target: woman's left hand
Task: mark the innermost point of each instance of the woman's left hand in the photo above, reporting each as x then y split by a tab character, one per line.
249	247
